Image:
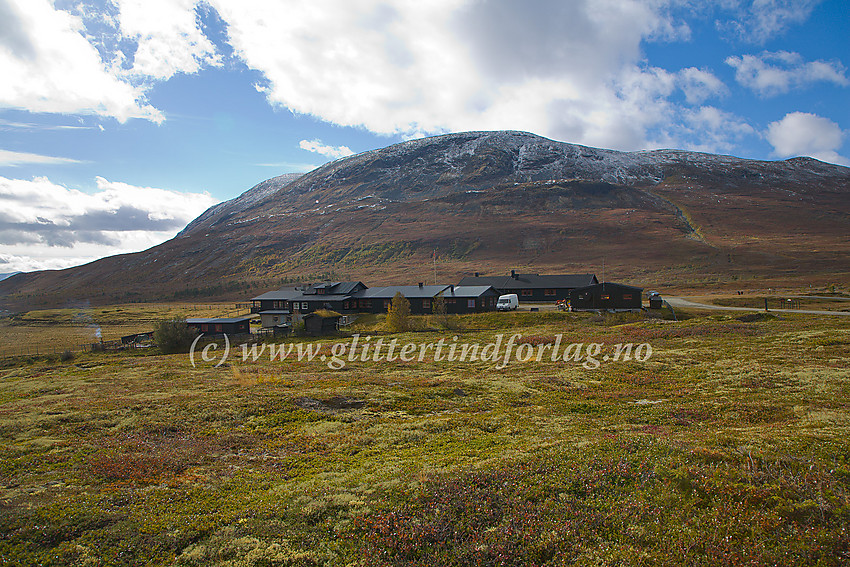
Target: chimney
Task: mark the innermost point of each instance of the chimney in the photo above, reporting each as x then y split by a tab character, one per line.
513	274
421	284
452	286
476	274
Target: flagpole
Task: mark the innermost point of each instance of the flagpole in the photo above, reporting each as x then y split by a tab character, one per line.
435	266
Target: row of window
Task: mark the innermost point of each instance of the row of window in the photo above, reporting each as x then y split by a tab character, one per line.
367	303
548	292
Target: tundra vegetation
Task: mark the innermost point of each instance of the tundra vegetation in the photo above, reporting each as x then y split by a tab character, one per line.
729	445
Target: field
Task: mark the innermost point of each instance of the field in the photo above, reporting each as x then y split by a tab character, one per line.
52	331
728	444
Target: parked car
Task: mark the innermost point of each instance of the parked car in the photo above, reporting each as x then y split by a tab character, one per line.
507	302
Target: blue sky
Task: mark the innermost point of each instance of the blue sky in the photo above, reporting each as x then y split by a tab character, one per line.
121	120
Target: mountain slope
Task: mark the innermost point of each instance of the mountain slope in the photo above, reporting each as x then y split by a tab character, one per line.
491	201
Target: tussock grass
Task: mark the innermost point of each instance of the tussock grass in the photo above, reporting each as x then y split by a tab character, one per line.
729	445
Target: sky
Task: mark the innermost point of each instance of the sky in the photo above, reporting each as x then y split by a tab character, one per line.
122	120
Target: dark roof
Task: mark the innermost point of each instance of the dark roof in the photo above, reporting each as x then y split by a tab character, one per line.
275	312
340	291
285	293
531	281
201	320
408	291
469	291
336	288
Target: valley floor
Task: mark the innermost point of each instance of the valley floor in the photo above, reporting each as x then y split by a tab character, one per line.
726	443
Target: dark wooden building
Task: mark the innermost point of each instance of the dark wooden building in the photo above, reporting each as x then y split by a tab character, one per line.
333	296
470	298
378	299
221	326
321	322
606	296
533	288
292	303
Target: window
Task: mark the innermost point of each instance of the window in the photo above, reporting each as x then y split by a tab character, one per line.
627	296
605	297
218	328
205	328
320	291
426	304
527	293
549	292
386	304
450	301
470	303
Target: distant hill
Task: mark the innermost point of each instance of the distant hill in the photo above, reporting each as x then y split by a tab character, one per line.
489	202
8	275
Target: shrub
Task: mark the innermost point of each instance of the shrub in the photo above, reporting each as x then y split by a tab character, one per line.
66	355
173	335
398	315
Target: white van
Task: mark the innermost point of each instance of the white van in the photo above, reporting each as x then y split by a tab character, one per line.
507	302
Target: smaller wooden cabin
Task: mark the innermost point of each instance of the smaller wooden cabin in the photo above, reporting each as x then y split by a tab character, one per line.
321	322
606	296
222	325
469	298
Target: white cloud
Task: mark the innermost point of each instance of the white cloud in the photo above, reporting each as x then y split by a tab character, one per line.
761	20
48	65
773	73
805	134
571	70
709	129
11	159
700	85
169	38
316	146
45	225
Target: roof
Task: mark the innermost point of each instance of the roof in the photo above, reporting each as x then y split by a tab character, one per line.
408	291
285	294
200	320
531	281
275	312
337	288
338	291
469	291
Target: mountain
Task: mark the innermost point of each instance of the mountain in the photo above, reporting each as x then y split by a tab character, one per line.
489	202
8	275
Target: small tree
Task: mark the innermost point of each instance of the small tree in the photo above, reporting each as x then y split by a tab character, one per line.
438	308
398	315
173	335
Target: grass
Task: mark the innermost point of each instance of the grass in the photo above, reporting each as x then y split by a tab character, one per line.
50	331
728	446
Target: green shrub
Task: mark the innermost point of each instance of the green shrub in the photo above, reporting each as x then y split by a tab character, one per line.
173	335
398	315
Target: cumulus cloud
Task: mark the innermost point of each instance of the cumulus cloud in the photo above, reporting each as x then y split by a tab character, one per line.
316	146
48	65
709	129
168	36
571	70
760	20
805	134
11	159
700	85
45	225
773	73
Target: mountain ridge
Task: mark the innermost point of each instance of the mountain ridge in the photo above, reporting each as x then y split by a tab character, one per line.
491	201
